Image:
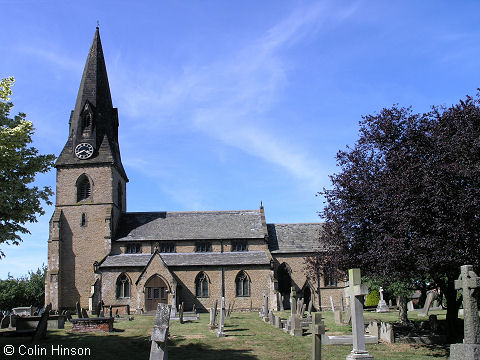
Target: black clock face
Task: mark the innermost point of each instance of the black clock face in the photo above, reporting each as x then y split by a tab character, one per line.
84	150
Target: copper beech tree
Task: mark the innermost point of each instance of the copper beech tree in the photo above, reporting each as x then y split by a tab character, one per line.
405	205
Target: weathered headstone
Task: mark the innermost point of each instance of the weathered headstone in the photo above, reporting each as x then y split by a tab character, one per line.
356	290
84	314
159	349
347	318
337	315
469	284
296	326
373	328
271	317
386	333
41	330
318	329
212	319
293	301
410	306
265	308
332	305
99	308
382	304
426	307
5	322
309	312
180	314
79	310
220	332
277	322
282	308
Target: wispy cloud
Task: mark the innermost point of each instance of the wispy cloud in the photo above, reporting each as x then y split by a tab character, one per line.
51	56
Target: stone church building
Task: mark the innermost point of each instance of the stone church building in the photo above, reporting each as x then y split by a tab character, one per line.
99	251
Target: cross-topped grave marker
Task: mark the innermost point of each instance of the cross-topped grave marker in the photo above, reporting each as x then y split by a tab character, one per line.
468	283
382	304
159	350
355	290
318	329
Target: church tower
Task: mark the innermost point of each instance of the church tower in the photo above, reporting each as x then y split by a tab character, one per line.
91	190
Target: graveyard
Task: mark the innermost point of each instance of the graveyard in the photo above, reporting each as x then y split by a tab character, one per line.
247	337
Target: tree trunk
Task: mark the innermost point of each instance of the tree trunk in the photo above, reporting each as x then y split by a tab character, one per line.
402	306
452	312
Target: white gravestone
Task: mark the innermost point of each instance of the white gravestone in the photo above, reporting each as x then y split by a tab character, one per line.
220	332
382	304
356	290
332	304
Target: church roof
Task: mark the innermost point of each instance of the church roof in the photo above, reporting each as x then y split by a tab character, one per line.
294	238
193	225
189	259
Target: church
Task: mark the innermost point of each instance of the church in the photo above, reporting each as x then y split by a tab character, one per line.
97	251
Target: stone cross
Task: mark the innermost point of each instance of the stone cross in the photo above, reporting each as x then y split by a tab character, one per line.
468	282
382	304
318	329
293	301
158	349
356	290
79	310
220	332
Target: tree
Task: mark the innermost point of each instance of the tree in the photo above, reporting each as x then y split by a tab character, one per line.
23	291
19	163
405	205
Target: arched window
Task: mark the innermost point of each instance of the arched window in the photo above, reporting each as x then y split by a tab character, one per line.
84	189
83	222
201	285
242	284
119	195
123	287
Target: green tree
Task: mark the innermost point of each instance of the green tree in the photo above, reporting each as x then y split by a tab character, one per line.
23	291
19	162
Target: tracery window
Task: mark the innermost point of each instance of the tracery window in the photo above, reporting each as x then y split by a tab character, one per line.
242	284
201	285
123	287
239	245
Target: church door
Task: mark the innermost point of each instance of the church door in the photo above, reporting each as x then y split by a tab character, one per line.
155	292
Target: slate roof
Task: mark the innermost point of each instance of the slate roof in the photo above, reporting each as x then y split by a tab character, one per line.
194	225
189	259
294	238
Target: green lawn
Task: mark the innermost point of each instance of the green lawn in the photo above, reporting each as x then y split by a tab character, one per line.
248	338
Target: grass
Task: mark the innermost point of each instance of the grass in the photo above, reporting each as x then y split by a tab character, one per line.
248	338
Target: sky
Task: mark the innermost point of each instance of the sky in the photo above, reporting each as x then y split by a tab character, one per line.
226	104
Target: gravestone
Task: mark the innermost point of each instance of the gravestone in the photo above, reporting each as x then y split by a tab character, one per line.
348	316
337	315
382	304
99	308
468	283
318	329
277	322
159	349
79	310
180	314
212	319
84	314
5	322
41	330
282	308
332	305
296	326
231	308
410	306
265	308
216	311
386	333
220	332
271	317
356	290
309	312
293	301
23	311
373	328
426	307
173	311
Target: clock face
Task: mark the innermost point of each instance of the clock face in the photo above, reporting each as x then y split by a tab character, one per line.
84	151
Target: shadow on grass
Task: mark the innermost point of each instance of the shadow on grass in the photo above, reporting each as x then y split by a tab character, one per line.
445	350
206	352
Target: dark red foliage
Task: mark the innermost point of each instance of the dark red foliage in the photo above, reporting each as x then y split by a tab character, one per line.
406	202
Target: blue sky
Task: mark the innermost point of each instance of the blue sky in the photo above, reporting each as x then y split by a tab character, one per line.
224	104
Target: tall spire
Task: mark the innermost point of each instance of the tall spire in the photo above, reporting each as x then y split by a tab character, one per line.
94	120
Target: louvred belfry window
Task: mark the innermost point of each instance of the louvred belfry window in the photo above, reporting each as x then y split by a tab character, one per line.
84	189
